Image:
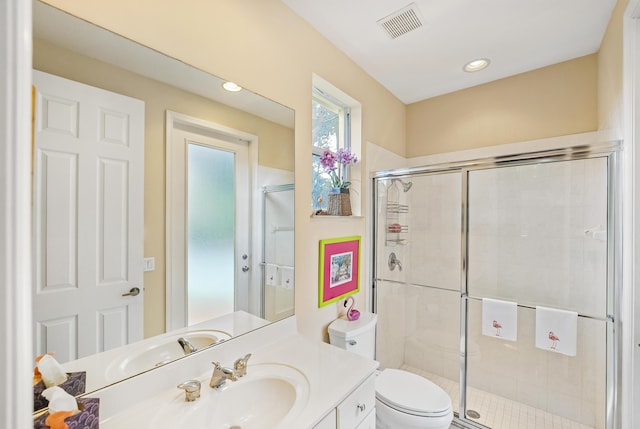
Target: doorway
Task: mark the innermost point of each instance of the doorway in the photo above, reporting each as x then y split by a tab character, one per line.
208	240
88	218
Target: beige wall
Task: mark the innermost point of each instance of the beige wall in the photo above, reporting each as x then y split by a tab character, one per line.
276	144
557	100
610	73
262	45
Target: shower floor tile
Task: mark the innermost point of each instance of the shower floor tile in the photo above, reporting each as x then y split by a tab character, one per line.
497	412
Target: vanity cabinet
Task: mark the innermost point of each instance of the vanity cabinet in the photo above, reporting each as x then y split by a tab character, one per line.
328	421
356	411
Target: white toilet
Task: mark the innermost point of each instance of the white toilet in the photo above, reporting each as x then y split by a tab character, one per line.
403	400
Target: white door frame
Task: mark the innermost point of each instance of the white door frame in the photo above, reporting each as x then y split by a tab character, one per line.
15	220
175	299
630	300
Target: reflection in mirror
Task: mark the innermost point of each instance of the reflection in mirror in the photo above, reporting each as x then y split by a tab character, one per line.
100	204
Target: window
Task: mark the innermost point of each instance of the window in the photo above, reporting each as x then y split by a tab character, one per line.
330	131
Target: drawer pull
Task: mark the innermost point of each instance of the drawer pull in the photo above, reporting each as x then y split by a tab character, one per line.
361	407
352	342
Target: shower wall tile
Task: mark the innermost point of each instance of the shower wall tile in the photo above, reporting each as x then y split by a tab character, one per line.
432	330
390	341
537	235
434	220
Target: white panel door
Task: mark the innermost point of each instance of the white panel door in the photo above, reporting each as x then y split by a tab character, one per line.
88	218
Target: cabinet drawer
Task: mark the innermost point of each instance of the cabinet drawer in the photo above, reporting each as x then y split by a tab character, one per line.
357	405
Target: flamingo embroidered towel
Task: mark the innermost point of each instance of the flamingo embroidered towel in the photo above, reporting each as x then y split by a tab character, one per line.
500	319
271	272
287	277
556	330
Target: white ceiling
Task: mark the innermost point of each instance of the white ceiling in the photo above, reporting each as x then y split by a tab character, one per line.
516	35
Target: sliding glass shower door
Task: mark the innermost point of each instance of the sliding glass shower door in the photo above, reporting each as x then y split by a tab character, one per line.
496	279
537	294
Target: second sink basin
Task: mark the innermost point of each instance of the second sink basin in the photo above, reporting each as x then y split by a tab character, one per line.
152	354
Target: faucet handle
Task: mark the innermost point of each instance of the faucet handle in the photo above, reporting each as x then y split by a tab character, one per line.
191	389
240	365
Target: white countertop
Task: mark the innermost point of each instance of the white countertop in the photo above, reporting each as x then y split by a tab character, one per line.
332	374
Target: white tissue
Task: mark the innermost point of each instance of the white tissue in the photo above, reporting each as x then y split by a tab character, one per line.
51	371
59	400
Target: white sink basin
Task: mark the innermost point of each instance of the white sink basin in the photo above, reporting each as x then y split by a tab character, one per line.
269	396
157	352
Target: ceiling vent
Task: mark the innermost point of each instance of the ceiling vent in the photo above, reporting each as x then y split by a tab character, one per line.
402	21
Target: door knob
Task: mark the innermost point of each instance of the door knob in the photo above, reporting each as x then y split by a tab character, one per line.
245	269
134	291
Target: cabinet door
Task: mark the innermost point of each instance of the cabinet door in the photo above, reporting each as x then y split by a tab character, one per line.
357	405
369	421
328	422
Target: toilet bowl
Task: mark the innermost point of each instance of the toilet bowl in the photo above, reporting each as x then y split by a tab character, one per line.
403	399
406	400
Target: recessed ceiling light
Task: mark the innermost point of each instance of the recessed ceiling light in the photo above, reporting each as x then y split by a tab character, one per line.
476	65
232	87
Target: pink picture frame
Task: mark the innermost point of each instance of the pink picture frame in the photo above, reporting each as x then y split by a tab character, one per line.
339	269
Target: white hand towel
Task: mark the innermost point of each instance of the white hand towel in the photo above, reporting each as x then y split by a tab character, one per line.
500	319
271	275
556	330
287	277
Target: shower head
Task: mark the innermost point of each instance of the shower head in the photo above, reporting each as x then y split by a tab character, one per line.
406	185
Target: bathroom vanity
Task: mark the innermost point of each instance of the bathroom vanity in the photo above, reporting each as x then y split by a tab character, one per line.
291	382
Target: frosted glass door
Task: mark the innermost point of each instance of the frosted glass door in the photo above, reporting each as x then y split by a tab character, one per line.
210	232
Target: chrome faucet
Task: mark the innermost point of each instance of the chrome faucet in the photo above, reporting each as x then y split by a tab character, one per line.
394	262
240	366
187	347
220	375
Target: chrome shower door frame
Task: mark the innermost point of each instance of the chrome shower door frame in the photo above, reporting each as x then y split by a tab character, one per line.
608	150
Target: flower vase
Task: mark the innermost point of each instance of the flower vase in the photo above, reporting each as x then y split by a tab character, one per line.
339	203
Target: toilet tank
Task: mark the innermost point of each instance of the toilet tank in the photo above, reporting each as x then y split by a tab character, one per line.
358	336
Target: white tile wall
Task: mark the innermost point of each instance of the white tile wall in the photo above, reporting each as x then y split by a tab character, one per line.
527	240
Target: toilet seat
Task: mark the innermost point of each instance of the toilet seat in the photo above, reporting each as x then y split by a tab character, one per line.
412	394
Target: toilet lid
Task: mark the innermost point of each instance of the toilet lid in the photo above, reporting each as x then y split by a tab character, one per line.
410	392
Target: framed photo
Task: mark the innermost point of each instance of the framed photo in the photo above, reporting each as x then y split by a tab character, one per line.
339	266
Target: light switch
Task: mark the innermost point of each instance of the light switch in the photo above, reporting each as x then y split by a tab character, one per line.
149	264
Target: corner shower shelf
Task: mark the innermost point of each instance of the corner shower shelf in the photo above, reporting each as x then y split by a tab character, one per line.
395	231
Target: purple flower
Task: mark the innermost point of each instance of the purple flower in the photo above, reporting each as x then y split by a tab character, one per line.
330	161
345	157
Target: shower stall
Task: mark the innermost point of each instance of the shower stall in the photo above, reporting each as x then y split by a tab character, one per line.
277	272
469	261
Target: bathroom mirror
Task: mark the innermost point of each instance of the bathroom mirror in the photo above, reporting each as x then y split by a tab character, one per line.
77	50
